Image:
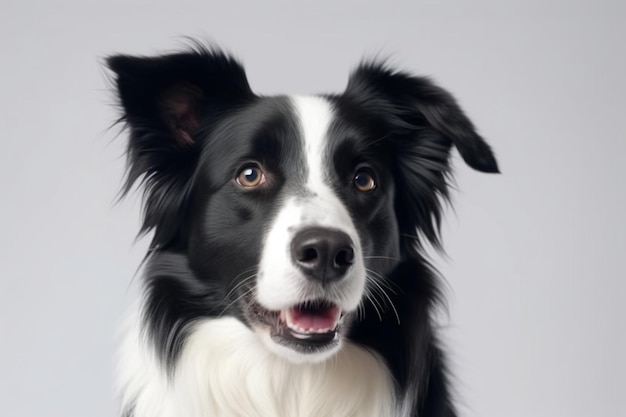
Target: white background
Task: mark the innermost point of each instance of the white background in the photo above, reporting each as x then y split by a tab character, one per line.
535	256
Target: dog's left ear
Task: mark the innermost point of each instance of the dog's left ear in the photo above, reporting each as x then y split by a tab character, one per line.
416	102
421	121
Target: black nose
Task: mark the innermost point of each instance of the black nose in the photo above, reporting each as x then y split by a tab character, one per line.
322	254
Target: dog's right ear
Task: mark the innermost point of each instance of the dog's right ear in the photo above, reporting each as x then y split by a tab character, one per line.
170	94
169	104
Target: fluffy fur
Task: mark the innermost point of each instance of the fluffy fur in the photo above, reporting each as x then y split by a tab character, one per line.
285	276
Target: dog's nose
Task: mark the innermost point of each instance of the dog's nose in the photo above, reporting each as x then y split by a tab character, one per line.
322	254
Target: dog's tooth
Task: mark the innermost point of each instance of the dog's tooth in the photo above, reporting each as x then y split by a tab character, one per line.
288	316
283	316
295	327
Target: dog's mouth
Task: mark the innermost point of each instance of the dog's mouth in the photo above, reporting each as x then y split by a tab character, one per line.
307	327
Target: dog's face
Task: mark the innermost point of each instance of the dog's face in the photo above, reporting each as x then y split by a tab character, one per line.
295	214
288	210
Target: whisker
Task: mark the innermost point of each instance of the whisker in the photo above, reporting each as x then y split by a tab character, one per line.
384	293
239	285
380	139
248	291
361	311
381	257
384	281
372	300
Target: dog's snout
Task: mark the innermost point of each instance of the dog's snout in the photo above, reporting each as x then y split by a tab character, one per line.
322	254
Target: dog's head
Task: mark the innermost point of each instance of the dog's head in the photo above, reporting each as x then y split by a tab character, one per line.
288	212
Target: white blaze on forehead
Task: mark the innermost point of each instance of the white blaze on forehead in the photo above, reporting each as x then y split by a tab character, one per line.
314	117
323	207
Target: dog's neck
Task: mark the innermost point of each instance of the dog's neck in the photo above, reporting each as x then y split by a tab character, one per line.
225	370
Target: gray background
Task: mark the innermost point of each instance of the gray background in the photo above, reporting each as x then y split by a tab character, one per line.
534	257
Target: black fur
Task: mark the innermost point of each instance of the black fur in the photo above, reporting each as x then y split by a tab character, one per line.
192	118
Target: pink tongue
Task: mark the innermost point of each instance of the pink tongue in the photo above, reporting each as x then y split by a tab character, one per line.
315	319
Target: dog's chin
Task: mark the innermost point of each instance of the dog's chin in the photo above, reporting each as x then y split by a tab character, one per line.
310	331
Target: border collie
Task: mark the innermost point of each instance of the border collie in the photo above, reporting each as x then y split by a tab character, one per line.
286	276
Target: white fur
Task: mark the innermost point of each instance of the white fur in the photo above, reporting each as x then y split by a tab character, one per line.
226	371
280	284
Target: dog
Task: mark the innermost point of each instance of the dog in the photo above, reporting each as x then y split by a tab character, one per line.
286	275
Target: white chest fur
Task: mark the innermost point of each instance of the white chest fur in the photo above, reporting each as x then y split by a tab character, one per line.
225	371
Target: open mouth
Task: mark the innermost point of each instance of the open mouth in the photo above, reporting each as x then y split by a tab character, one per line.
306	327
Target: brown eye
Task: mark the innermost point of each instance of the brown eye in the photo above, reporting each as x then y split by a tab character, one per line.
250	176
364	181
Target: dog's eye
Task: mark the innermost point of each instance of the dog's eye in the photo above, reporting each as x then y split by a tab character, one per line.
364	181
251	176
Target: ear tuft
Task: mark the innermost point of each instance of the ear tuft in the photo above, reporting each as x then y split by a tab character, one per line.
480	156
